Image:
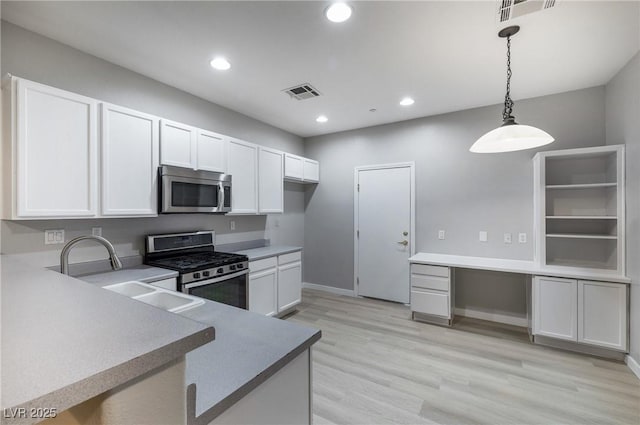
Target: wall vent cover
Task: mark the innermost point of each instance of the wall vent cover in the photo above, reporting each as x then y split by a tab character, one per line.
511	9
302	91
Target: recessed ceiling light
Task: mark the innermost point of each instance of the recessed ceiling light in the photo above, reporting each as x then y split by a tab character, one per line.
322	118
407	101
338	12
220	63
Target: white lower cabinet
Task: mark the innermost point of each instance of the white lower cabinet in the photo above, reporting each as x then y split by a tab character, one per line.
555	305
275	283
289	280
602	316
263	286
431	291
583	311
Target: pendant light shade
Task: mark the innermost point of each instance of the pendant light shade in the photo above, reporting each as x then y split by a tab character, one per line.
510	136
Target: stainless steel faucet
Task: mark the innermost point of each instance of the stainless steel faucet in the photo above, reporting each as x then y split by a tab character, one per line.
64	255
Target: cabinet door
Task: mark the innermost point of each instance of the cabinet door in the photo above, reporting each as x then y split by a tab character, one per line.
262	292
177	144
289	285
310	171
270	182
602	314
130	153
211	152
242	164
56	152
555	308
293	168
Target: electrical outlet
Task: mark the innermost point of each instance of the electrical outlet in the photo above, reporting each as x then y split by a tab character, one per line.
96	231
52	237
483	236
441	234
232	225
522	238
507	238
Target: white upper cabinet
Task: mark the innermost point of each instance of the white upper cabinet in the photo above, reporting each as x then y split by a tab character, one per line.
242	164
178	144
130	157
299	169
292	167
310	170
270	183
55	152
211	151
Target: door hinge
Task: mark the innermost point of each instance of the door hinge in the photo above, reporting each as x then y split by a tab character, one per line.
358	233
357	281
358	187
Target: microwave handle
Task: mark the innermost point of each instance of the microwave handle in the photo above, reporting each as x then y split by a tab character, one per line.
221	191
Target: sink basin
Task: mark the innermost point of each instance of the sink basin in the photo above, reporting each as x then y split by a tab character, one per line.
165	299
173	302
130	289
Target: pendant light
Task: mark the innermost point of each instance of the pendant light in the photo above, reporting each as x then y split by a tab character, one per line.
510	136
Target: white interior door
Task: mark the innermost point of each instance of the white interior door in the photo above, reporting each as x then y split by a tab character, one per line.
384	231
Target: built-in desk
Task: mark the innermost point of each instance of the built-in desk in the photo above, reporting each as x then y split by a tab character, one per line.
582	306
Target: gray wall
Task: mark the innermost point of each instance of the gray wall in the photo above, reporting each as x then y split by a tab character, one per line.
457	191
623	127
32	56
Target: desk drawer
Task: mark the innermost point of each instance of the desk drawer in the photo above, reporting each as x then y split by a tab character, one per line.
430	282
430	302
441	271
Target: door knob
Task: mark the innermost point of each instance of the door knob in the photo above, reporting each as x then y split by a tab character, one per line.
403	243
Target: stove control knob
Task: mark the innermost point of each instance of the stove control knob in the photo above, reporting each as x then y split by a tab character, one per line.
232	267
240	266
196	275
205	274
219	270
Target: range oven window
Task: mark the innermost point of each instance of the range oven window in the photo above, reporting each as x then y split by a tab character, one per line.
193	195
232	291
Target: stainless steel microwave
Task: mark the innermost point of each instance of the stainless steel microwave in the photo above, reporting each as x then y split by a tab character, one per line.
183	190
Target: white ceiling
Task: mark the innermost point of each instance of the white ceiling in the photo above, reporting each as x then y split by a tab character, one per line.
446	55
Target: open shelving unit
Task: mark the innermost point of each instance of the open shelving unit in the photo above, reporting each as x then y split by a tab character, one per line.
579	208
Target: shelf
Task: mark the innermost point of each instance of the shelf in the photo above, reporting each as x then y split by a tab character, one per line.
580	236
580	186
582	217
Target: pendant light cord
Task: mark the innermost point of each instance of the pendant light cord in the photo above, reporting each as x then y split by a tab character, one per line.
508	103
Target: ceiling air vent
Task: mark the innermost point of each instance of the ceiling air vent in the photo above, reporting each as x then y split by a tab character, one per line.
511	9
302	91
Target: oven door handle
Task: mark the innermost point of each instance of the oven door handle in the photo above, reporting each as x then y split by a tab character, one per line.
214	280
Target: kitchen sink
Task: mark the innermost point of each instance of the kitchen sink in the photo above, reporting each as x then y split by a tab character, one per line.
165	299
131	289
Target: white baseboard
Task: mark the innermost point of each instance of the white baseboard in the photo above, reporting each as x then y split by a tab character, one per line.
493	317
633	365
331	289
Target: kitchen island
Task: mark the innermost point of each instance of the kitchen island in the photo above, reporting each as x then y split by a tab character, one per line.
65	342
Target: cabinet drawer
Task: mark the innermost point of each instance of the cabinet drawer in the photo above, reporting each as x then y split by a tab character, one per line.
441	271
289	258
265	263
430	282
430	302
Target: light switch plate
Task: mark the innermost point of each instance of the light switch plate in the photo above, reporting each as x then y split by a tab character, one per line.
52	237
232	225
522	238
507	238
441	234
483	236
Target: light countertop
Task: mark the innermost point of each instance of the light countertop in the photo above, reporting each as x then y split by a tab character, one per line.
140	273
513	266
268	251
64	341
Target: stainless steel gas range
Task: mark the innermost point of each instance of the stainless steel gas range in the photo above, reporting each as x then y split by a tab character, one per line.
203	271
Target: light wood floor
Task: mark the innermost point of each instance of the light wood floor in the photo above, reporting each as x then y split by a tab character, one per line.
375	366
